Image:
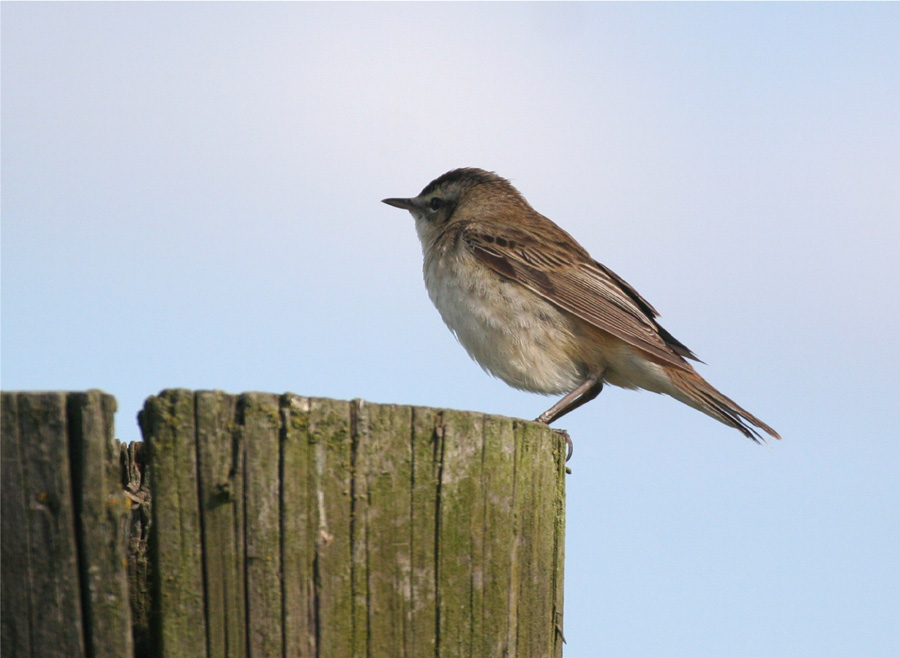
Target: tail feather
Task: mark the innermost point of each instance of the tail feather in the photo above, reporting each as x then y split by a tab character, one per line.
695	391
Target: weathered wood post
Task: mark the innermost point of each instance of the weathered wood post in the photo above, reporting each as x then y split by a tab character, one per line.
294	526
64	584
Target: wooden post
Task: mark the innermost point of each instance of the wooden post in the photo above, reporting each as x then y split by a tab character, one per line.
64	585
281	526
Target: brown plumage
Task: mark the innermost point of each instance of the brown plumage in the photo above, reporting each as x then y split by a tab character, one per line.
533	308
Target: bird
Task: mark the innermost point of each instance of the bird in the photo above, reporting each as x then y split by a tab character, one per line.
534	309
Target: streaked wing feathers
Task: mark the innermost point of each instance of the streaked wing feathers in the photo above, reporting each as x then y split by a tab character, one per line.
580	286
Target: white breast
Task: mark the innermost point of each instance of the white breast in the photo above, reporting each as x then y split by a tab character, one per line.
510	331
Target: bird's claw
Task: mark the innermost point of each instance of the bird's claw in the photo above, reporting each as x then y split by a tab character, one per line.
570	447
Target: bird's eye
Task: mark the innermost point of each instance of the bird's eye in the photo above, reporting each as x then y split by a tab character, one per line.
436	203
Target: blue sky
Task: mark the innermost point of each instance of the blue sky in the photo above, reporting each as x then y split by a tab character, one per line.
190	197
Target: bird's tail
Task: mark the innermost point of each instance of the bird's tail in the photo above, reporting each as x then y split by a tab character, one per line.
695	391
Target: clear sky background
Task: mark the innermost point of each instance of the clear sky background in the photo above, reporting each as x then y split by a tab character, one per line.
190	198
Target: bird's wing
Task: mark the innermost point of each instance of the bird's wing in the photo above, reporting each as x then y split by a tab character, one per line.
560	271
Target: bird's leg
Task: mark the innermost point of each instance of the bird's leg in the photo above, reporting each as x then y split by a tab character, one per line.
581	394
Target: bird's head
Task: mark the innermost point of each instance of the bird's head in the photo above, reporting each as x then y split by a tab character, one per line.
459	195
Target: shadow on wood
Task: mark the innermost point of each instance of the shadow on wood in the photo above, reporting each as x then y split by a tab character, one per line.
64	584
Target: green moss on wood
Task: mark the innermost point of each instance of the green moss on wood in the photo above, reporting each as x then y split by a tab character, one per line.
288	525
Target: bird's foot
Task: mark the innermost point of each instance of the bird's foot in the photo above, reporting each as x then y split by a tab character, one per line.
570	447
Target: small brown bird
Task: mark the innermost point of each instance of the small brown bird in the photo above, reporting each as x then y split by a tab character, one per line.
533	308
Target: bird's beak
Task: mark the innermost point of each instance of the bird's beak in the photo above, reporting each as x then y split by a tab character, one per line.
405	204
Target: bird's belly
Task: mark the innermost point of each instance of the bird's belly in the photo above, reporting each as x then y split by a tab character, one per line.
508	330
